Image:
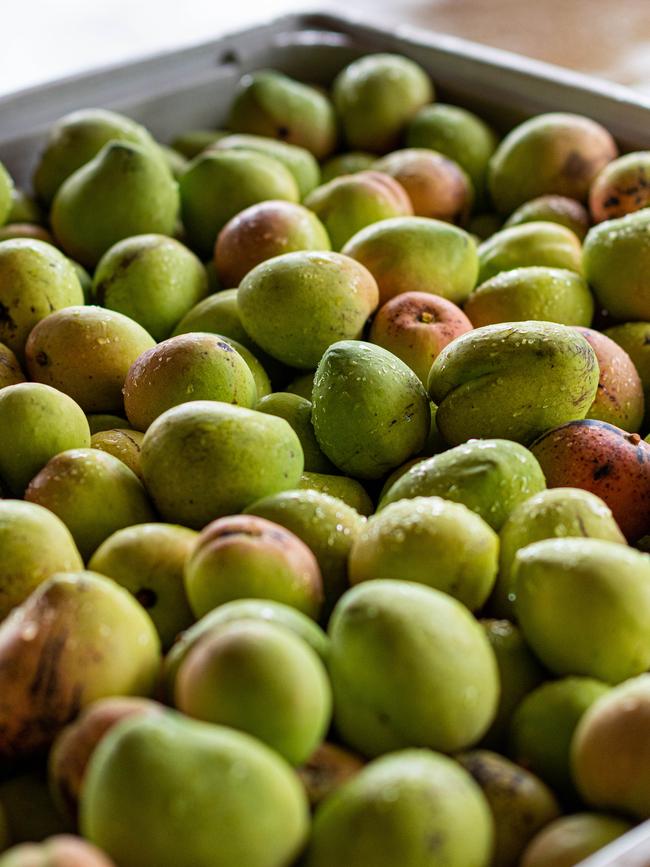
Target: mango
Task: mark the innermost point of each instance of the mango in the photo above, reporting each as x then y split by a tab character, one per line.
570	839
539	243
553	209
621	187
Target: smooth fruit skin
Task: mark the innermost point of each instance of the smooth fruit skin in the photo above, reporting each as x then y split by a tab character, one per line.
346	164
570	839
414	808
59	851
621	187
153	279
138	196
512	380
603	459
634	338
35	545
430	541
594	590
205	459
35	278
90	637
551	153
245	556
490	477
36	424
541	244
122	443
6	194
260	678
297	411
350	491
616	260
220	799
609	751
553	209
376	96
409	667
370	411
297	305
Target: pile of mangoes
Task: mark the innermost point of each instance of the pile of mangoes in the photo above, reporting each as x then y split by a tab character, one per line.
325	501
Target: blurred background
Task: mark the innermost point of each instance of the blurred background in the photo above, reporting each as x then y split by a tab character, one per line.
47	39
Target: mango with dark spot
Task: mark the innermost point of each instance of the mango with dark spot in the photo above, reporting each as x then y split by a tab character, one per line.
271	104
532	293
61	851
619	399
411	808
263	231
603	459
86	352
521	804
244	557
557	153
122	443
616	260
149	561
622	187
406	254
375	98
528	244
571	839
350	203
512	381
416	326
297	305
185	368
436	186
553	209
75	744
79	637
326	770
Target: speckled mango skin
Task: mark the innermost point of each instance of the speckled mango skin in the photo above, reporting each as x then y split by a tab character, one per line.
272	104
94	494
187	367
408	254
219	184
429	541
346	164
240	609
105	645
297	411
148	560
59	851
375	98
205	459
122	443
437	187
433	799
557	153
416	326
138	196
570	839
622	187
263	231
35	545
344	488
520	803
597	591
537	243
619	399
512	380
300	162
350	203
297	305
491	477
246	675
153	279
616	259
36	423
609	755
603	459
35	277
410	666
553	209
246	557
327	525
370	411
634	338
532	293
86	352
554	513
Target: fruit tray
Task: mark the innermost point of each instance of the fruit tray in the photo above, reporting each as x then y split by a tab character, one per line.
192	89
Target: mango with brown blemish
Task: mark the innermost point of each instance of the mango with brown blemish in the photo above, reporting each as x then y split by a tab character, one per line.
416	326
603	459
325	771
553	209
623	186
557	153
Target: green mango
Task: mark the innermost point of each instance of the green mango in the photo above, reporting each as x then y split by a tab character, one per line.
541	244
